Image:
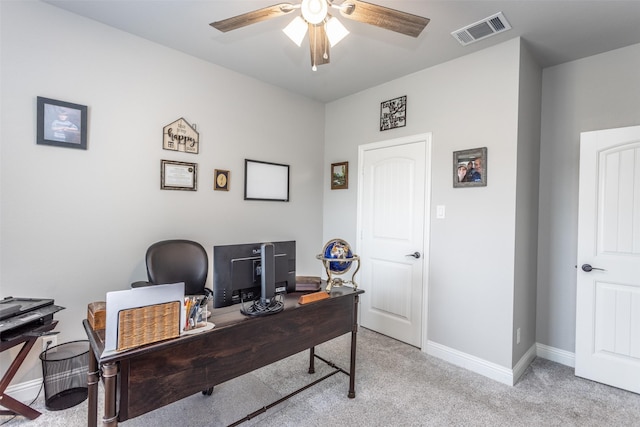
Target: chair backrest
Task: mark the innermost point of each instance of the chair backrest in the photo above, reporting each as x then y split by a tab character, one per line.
173	261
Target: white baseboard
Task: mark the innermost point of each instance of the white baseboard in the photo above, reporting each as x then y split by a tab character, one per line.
472	363
28	391
524	363
556	355
497	372
25	392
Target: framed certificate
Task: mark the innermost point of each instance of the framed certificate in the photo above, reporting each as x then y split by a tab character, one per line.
178	175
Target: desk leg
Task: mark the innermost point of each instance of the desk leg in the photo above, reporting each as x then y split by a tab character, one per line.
352	366
93	377
15	407
110	374
312	360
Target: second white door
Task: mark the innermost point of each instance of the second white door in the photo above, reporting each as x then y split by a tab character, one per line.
391	206
608	293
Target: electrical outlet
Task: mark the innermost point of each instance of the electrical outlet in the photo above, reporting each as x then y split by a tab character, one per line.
518	336
49	341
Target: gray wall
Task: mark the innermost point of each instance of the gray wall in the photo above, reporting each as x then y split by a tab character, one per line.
528	162
598	92
76	224
466	103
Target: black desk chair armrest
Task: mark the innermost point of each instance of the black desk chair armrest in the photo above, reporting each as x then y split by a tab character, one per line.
140	284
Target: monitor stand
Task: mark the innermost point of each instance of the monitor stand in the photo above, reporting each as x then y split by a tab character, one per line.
268	276
268	303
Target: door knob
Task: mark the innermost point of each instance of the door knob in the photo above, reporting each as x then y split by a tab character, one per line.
587	268
416	255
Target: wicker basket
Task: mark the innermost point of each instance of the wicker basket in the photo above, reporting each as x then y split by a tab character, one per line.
145	325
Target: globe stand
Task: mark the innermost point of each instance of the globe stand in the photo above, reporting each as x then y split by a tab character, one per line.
337	281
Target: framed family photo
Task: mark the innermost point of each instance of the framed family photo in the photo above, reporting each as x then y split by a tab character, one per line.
470	168
62	124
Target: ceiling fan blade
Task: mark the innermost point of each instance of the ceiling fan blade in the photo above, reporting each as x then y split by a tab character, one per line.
253	17
319	45
384	17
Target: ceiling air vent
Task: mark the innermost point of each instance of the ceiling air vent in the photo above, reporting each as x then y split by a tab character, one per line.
482	29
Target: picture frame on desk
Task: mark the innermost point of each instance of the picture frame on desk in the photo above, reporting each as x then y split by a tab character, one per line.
61	123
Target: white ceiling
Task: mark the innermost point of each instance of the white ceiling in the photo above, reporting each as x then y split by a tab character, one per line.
556	31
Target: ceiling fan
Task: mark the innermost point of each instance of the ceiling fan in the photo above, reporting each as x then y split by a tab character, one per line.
324	29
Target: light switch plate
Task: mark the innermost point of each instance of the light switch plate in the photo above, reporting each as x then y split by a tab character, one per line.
440	212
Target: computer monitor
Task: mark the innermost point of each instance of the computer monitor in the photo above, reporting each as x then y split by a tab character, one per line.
238	272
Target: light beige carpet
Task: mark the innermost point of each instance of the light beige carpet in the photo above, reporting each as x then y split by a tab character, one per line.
396	385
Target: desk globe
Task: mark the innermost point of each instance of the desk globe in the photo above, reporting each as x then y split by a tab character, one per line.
337	259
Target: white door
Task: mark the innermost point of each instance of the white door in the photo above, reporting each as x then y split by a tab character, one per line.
608	282
391	222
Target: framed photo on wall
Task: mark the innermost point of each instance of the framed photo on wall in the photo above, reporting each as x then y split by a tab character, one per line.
470	168
340	176
62	124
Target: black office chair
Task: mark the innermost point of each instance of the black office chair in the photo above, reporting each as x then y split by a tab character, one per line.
174	261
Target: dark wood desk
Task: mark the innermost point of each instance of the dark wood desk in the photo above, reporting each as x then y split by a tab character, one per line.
146	378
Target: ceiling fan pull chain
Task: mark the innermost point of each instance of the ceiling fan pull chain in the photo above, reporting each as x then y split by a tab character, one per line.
315	49
325	55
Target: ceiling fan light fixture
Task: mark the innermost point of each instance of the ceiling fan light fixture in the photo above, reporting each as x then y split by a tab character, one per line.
335	31
324	30
314	11
296	30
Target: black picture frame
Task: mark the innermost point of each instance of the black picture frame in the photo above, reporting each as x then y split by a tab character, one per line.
266	181
61	123
393	113
470	168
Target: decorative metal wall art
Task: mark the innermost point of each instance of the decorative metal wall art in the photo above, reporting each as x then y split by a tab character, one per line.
393	113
